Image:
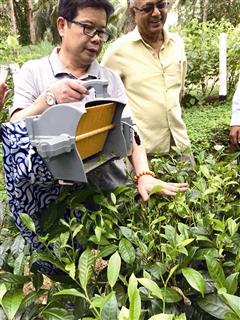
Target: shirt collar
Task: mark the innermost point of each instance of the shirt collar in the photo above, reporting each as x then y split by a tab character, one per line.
136	36
58	68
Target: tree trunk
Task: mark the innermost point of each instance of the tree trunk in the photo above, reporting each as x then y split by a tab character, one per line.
12	16
176	4
31	22
205	10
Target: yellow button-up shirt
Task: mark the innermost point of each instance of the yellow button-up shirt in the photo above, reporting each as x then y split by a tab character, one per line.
154	85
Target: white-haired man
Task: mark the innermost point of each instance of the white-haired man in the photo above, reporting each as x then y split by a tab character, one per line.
152	65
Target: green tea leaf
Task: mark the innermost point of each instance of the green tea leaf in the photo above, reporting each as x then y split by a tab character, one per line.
98	233
70	292
85	267
106	251
195	279
113	269
162	316
230	316
99	301
232	283
124	314
232	226
135	305
134	298
216	272
113	198
110	309
171	296
30	299
233	302
18	246
77	230
71	269
133	283
19	264
3	290
13	278
171	273
127	251
127	232
28	222
213	305
205	171
40	255
64	239
152	287
11	302
57	314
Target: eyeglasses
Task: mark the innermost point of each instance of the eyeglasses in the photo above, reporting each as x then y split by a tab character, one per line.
149	7
91	31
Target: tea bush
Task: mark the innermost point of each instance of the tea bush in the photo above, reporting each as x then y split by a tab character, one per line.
169	258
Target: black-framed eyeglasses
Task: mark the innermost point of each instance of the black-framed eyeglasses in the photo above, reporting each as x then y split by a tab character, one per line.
149	7
91	31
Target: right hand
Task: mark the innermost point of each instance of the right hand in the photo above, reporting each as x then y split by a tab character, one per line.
235	136
147	182
4	92
68	90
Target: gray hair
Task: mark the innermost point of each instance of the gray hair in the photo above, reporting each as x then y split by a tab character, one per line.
132	3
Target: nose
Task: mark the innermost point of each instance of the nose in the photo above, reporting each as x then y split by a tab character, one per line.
96	37
156	11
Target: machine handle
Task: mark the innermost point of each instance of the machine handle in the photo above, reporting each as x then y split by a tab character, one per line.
100	87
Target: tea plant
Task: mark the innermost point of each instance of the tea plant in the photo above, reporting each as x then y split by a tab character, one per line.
169	258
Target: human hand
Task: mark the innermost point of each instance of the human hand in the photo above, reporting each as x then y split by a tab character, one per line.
235	136
68	90
4	92
147	182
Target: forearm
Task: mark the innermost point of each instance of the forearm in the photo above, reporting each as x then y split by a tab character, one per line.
139	158
38	107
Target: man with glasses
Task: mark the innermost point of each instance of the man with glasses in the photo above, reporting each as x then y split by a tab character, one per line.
58	78
152	65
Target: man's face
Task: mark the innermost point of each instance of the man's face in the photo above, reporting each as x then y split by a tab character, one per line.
150	16
76	35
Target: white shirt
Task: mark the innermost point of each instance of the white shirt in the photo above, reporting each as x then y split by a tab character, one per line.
235	120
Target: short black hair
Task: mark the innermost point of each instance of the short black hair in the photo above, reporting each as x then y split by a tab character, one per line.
68	9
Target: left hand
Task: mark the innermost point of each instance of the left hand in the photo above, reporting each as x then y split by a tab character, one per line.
4	92
147	182
235	136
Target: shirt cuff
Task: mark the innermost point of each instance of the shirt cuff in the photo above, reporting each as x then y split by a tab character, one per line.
235	120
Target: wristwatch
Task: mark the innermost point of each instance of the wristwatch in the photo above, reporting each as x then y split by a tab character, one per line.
50	98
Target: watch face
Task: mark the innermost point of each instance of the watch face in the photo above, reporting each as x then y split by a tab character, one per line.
50	99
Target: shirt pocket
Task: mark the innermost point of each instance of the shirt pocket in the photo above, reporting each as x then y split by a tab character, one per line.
173	74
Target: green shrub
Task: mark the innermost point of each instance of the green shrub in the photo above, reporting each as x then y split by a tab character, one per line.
175	258
202	49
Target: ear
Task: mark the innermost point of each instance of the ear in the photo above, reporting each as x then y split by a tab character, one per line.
132	12
61	22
